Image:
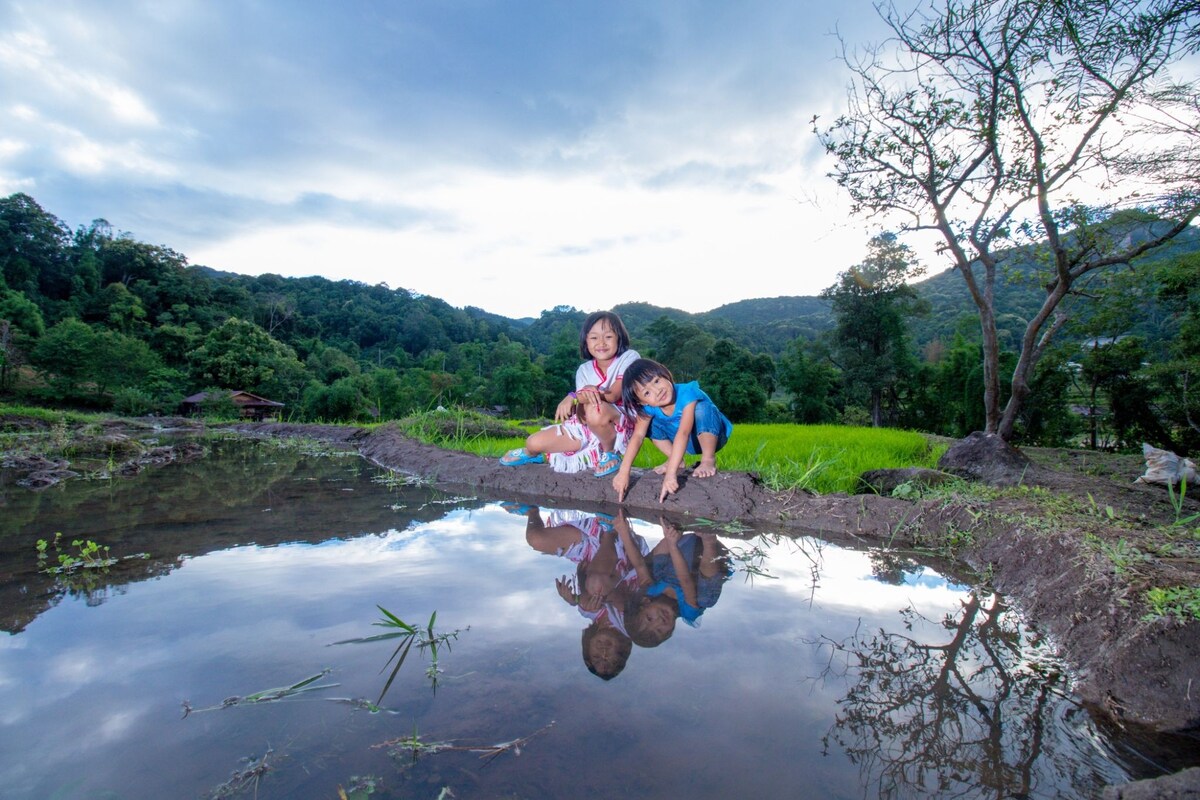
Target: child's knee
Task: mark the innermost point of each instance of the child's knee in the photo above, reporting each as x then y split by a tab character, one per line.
708	419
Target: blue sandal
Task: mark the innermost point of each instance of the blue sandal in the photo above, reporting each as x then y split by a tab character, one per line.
515	458
607	465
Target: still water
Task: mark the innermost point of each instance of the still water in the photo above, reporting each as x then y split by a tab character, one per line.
813	669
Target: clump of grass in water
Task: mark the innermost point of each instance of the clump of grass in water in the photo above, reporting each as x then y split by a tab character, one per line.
309	684
424	639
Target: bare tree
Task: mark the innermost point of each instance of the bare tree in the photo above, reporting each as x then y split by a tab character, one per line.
991	121
970	713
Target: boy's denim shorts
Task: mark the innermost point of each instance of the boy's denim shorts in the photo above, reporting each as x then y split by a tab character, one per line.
708	419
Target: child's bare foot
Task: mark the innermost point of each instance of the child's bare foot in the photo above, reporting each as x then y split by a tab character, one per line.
705	469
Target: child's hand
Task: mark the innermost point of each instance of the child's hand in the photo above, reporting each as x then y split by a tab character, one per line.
670	485
591	602
566	590
621	484
565	409
590	395
671	534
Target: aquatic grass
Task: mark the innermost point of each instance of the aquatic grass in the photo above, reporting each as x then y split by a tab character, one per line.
424	639
416	746
457	428
309	684
50	416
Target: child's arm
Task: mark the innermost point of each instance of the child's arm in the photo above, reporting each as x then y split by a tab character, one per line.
683	570
632	553
613	393
687	420
621	479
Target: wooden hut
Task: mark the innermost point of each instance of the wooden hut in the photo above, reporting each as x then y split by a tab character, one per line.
250	406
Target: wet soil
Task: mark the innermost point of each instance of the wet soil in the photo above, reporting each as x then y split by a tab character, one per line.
1077	544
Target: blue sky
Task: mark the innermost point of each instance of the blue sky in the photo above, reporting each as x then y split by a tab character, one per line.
512	156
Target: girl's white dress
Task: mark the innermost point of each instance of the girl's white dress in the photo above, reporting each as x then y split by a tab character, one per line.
586	457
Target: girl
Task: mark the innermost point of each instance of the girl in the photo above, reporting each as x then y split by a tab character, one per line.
590	431
678	417
605	578
684	577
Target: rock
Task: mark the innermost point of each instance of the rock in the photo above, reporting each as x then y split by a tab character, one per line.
885	481
1183	785
986	457
44	479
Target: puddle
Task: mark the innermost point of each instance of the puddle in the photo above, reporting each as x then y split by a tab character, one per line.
239	659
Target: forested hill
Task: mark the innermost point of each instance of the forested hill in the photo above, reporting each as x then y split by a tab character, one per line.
96	318
770	324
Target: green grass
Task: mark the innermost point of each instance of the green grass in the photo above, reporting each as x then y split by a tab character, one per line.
821	458
1180	602
51	416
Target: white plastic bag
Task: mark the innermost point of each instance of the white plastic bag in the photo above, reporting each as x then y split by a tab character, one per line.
1163	466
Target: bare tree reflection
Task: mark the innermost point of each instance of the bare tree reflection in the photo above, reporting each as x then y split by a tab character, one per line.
954	708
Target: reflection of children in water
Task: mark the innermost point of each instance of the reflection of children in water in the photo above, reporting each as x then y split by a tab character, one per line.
682	578
605	579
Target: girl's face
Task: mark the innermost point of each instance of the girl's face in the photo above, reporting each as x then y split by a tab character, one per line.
602	342
656	392
605	652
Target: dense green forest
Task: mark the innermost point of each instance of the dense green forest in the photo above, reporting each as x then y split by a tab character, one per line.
94	318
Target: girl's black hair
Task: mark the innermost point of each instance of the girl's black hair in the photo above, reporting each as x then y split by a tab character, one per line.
624	648
643	370
613	321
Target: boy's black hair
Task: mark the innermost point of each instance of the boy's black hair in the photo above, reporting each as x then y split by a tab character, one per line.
613	321
643	370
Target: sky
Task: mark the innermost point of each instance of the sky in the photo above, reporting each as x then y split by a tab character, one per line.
512	156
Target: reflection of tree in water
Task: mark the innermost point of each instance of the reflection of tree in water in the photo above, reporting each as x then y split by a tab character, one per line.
890	566
967	716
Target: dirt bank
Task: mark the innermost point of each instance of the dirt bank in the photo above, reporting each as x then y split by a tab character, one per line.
1077	545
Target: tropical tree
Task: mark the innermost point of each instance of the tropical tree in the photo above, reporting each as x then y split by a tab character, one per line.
870	339
813	383
732	378
32	245
81	362
242	356
986	121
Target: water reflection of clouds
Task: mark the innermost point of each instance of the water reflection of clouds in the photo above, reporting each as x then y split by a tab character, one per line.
466	554
845	581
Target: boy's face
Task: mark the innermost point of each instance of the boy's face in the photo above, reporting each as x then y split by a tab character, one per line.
656	392
657	620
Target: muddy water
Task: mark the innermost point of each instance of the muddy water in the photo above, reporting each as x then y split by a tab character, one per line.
810	668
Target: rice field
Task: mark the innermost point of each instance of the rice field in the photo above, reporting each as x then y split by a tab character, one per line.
820	458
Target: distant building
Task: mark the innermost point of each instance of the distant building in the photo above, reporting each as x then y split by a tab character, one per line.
250	406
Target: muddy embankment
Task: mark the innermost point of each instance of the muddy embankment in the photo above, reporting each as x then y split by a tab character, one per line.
1136	672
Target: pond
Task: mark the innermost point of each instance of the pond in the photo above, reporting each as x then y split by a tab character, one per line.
231	662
